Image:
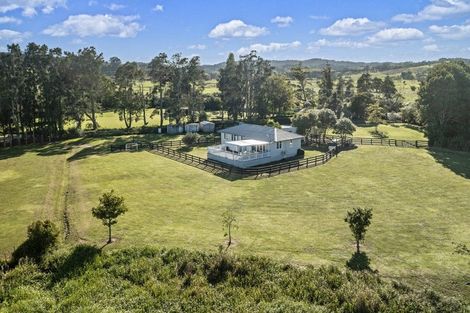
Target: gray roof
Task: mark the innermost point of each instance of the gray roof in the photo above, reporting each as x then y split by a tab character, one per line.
258	132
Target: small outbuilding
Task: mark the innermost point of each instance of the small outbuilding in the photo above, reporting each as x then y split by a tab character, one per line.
174	129
206	127
191	128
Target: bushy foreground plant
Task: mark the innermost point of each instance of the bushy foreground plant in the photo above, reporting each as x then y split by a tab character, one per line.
42	236
190	139
175	280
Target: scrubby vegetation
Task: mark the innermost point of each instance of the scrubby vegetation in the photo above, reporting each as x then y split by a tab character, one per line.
85	279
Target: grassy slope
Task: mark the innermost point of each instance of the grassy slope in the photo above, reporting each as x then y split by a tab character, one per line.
419	207
394	131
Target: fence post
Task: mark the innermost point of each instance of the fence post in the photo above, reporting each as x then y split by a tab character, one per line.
307	162
416	143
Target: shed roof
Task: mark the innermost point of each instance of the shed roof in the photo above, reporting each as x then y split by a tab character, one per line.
263	133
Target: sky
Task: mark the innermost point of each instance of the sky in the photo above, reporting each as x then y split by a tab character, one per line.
353	30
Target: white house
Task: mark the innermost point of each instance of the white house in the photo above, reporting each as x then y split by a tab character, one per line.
247	145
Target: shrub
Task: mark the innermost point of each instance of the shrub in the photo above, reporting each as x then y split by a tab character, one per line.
42	236
190	139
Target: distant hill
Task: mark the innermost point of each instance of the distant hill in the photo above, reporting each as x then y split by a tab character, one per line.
317	64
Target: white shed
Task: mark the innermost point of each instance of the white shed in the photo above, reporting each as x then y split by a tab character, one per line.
174	129
206	127
191	128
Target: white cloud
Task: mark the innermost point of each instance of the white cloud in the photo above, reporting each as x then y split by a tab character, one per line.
92	3
351	26
99	25
396	34
12	35
115	6
452	32
438	9
197	47
271	47
282	21
237	28
158	8
10	20
30	7
431	48
337	44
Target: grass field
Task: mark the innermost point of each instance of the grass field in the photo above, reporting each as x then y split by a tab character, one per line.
420	200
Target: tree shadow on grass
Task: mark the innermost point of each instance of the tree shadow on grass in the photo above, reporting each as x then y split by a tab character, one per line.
74	263
359	262
457	161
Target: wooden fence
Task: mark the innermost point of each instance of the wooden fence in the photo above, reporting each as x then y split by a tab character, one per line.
277	168
168	149
388	142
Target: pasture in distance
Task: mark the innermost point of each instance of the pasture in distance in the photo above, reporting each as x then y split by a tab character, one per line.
419	197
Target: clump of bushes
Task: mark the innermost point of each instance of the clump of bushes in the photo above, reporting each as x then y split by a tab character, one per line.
42	236
177	280
190	139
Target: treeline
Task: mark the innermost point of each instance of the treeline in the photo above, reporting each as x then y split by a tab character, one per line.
444	105
46	94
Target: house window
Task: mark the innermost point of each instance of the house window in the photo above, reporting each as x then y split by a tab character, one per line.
279	145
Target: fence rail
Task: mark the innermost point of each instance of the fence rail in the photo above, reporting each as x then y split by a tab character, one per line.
388	142
168	149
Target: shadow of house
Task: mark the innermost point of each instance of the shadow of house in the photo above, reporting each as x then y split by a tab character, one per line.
456	161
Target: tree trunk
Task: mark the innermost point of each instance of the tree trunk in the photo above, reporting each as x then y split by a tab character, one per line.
357	247
161	108
229	236
109	234
145	118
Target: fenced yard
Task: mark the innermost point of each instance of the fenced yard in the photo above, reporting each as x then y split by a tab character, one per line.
196	155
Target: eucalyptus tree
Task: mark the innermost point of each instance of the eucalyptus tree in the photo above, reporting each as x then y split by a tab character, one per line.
160	74
195	77
128	106
326	86
86	67
229	84
303	93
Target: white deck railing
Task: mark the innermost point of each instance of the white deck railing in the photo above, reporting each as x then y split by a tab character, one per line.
240	156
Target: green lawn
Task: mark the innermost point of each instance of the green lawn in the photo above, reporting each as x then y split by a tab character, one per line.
420	201
393	131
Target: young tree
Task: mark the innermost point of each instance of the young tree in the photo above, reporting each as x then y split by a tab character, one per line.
344	127
229	223
358	220
109	209
375	115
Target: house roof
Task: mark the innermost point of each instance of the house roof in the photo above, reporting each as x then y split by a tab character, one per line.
247	142
263	133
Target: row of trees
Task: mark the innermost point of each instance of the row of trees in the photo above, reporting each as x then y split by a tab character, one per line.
370	98
45	92
250	89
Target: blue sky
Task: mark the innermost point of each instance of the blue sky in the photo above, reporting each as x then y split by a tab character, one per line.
357	30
